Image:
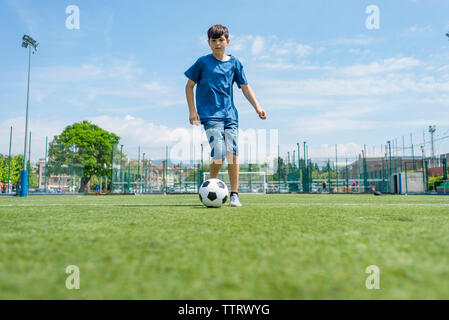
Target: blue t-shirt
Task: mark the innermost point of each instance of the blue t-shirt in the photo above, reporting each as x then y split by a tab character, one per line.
214	80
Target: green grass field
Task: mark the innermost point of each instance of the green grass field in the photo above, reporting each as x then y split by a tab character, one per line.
275	247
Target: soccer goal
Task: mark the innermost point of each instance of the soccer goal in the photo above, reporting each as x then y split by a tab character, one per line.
249	182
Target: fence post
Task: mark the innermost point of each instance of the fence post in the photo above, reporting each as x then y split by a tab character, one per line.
73	152
406	186
9	163
336	167
426	164
129	176
304	173
279	172
166	168
45	166
347	176
112	167
299	164
201	177
444	169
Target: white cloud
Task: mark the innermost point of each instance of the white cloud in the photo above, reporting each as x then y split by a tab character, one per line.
303	50
156	87
279	47
359	51
40	128
361	40
418	29
133	132
350	149
264	47
281	66
258	45
319	125
112	70
84	84
281	51
383	66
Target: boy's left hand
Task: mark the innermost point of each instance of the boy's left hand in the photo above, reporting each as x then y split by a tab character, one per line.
262	114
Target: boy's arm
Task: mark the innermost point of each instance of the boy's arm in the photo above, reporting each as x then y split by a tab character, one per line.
249	95
194	118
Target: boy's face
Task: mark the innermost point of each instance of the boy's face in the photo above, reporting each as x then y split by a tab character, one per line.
218	45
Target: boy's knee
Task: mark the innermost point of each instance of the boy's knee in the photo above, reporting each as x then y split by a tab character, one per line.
217	161
232	158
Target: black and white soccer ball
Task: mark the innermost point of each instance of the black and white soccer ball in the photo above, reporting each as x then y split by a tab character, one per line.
213	193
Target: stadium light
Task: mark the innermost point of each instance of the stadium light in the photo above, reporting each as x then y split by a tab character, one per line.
31	44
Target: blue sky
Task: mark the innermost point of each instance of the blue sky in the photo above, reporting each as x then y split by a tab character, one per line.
320	74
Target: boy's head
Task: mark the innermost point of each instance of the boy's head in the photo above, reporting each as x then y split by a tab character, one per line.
216	31
218	37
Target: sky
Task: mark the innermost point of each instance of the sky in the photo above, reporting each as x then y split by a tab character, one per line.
321	73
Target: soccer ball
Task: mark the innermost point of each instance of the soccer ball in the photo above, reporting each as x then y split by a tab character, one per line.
213	193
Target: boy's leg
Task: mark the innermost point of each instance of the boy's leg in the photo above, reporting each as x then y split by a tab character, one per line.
231	141
233	171
215	167
215	135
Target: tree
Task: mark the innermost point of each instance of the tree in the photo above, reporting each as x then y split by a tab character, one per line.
86	144
16	168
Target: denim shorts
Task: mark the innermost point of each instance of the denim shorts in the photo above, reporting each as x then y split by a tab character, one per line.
222	136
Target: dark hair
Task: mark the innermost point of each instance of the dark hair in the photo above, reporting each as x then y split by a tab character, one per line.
216	31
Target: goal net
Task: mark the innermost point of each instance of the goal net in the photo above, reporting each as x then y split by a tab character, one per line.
249	182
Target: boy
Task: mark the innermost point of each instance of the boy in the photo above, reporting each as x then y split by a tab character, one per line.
214	76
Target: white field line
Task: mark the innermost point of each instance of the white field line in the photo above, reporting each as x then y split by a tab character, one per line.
262	204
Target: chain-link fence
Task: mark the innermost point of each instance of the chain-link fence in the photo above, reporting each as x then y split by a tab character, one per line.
391	171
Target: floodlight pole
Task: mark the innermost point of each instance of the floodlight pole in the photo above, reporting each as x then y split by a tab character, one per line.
29	160
29	153
24	173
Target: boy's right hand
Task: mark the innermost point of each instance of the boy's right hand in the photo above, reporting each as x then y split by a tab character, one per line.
194	118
